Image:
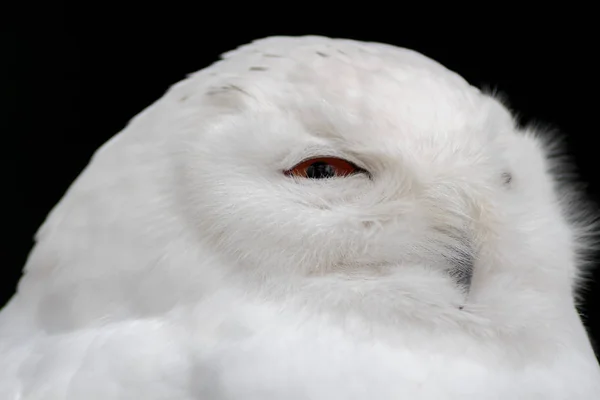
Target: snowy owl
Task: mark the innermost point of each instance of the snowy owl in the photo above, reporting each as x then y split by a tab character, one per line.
309	218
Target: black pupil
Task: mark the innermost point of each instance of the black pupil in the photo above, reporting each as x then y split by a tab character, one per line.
320	170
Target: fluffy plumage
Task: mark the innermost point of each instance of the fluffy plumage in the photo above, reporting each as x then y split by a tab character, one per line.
183	263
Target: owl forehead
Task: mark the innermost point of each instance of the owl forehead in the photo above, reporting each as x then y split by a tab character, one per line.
362	95
345	87
283	55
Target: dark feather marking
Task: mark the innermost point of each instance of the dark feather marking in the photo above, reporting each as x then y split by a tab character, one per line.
461	257
224	89
462	268
506	178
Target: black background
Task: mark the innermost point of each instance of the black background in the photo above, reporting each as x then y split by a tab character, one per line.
73	76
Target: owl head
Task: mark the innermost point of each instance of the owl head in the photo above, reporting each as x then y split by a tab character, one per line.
316	160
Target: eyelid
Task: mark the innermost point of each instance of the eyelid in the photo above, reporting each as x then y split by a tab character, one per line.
293	161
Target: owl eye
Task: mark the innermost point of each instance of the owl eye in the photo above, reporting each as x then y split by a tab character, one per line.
323	167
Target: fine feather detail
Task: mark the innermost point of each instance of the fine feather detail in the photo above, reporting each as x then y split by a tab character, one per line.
183	264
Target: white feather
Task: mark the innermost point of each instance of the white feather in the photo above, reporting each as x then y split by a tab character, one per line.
183	264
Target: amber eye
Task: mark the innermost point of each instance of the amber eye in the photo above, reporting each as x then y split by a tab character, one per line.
323	167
